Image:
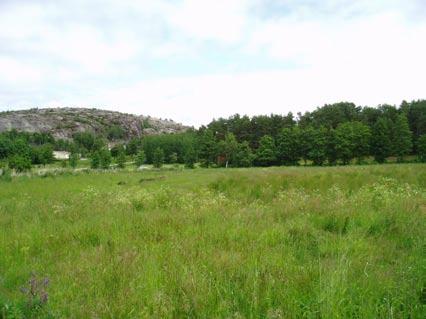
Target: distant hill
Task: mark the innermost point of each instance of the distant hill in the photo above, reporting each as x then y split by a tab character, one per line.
62	123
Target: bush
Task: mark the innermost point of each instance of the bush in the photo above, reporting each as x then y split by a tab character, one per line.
19	163
140	158
121	160
105	157
95	160
158	157
73	159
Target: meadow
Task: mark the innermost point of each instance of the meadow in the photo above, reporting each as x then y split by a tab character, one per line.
279	242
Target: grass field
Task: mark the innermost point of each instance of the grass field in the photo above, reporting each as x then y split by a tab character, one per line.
332	242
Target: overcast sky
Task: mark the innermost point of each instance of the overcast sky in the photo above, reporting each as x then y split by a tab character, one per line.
193	60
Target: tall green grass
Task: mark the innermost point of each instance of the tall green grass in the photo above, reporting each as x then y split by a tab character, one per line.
342	242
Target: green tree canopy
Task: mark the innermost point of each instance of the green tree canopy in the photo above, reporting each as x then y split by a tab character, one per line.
381	146
421	146
266	153
288	146
402	143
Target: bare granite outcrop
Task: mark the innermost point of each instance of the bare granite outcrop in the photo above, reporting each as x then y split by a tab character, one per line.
63	123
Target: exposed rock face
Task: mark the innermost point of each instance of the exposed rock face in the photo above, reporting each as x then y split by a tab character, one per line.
64	122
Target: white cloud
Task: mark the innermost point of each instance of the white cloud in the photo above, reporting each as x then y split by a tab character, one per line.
99	53
222	20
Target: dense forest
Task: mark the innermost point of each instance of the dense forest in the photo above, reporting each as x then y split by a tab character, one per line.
339	133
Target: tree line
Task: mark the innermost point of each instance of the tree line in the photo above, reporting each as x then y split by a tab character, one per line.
339	133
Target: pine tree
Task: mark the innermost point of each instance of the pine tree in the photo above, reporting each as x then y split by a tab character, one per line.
402	143
381	141
208	148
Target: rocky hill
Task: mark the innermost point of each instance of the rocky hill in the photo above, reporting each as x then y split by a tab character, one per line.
64	122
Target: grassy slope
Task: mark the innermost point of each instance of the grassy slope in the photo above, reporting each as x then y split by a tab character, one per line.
277	242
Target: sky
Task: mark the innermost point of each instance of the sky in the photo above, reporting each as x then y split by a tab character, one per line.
195	60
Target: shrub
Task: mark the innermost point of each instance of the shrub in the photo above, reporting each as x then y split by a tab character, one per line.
73	159
140	158
95	161
20	163
121	160
158	157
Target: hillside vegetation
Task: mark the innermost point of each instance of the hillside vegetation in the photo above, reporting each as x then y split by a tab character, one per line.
335	134
309	242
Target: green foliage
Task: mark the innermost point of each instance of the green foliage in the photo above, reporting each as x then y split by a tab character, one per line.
335	133
306	142
421	146
42	154
266	153
121	159
244	156
208	148
228	148
361	140
88	142
170	144
190	157
402	142
140	158
158	157
331	115
95	160
19	163
105	158
318	148
381	145
331	143
116	132
134	145
146	123
117	149
288	146
74	158
173	158
352	141
416	115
